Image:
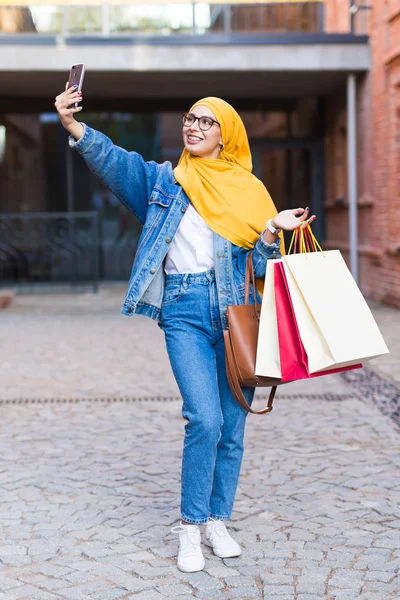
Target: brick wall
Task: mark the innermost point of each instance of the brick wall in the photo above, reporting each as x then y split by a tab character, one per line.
378	121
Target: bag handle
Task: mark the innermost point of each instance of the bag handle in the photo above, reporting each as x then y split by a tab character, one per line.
235	385
250	277
233	379
304	241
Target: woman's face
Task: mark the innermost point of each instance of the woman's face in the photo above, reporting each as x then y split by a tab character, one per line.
206	144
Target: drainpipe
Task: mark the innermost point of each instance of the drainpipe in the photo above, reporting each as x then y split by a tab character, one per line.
352	173
353	10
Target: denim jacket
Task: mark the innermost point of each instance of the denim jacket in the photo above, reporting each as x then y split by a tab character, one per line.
152	193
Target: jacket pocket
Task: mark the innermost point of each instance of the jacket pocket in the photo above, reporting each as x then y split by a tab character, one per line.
161	198
158	202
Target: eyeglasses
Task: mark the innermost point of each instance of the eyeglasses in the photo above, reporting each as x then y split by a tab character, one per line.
205	123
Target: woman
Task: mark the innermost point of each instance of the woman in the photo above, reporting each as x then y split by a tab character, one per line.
200	221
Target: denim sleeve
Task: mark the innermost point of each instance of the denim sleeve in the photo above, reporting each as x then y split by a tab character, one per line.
126	174
262	251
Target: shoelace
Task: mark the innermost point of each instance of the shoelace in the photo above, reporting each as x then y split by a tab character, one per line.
217	528
190	541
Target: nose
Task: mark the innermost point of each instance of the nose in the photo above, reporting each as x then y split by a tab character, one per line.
195	130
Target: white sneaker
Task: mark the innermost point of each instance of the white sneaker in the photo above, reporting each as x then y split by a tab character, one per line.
216	536
190	556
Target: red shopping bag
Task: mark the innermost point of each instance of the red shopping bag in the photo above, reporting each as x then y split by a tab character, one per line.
293	357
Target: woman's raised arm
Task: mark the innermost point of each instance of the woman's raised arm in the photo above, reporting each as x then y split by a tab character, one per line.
126	174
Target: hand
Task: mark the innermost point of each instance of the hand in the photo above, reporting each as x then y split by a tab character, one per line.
63	101
292	219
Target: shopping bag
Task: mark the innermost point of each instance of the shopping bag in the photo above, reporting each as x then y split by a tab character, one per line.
293	357
312	338
334	321
268	358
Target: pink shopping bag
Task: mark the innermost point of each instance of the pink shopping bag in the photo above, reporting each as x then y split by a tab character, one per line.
293	357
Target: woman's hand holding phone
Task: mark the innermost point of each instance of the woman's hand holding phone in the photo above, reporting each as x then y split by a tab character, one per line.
63	102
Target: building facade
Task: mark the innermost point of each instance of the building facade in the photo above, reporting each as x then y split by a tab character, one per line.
378	151
283	65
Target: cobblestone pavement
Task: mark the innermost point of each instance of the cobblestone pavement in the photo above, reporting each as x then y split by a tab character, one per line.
80	346
90	489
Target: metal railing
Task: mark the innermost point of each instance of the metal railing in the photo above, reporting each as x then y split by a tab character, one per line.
49	248
116	18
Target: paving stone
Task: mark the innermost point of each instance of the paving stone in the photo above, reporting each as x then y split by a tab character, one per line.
346	579
43	582
224	571
372	596
148	572
310	587
312	581
114	594
141	555
384	576
149	595
51	570
301	534
16	560
75	593
272	563
278	589
276	579
201	581
7	583
306	553
238	581
372	561
243	592
345	594
308	597
305	564
381	587
284	597
12	550
207	595
172	590
26	592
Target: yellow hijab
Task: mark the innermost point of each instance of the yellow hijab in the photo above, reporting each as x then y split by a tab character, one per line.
231	200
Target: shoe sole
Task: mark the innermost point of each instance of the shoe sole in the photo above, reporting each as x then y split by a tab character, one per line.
207	543
191	570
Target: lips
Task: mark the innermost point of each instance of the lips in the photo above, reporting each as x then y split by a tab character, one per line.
193	139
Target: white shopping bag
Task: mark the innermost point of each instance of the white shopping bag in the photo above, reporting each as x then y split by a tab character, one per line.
268	362
335	323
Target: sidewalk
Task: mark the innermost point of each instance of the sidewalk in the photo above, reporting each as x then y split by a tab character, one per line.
90	489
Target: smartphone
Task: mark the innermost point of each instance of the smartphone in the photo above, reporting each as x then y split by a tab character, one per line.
76	76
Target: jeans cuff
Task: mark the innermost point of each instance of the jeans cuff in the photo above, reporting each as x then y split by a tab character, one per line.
220	517
194	521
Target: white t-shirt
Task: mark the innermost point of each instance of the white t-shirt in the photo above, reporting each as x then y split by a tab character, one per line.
192	249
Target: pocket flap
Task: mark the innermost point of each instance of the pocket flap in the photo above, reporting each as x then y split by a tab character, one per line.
159	197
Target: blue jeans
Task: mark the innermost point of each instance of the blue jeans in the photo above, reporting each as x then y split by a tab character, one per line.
213	445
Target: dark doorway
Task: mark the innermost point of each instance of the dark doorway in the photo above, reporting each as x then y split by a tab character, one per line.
292	170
